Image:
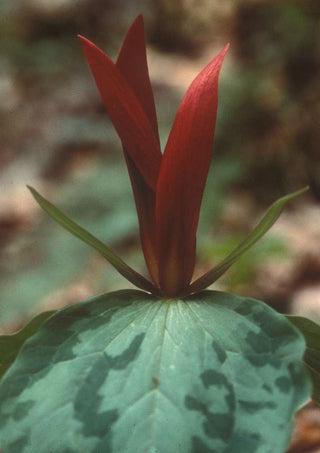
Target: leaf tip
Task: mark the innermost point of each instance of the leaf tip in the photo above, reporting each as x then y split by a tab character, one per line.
303	190
32	190
295	194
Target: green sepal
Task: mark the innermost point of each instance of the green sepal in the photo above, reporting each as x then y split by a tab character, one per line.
130	274
260	230
10	345
311	332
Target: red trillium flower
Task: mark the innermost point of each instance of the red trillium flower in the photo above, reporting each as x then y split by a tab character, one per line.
168	187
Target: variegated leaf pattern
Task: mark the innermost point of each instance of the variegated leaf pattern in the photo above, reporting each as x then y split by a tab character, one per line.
127	372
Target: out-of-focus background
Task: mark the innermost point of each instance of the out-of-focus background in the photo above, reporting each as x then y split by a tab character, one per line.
56	136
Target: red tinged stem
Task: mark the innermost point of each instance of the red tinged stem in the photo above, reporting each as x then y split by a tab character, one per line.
182	177
126	113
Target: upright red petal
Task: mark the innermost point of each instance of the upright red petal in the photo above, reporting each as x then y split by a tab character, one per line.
126	113
182	178
145	204
132	63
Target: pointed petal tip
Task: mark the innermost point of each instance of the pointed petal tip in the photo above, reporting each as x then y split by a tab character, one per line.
224	50
138	20
82	38
136	26
92	51
87	44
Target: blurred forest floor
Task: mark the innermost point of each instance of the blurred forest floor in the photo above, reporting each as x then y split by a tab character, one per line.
55	136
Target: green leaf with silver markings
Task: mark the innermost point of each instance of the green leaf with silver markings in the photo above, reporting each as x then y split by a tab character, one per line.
10	345
128	372
311	332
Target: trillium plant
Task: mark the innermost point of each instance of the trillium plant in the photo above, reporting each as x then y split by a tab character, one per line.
171	367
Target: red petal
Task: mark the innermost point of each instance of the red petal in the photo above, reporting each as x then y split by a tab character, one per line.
145	204
182	178
126	113
132	63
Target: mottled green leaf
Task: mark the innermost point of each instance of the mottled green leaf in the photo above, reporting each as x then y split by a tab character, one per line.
10	345
311	333
260	230
127	372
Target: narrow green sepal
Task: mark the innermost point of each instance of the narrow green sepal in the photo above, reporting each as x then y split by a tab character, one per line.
311	332
130	274
260	230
